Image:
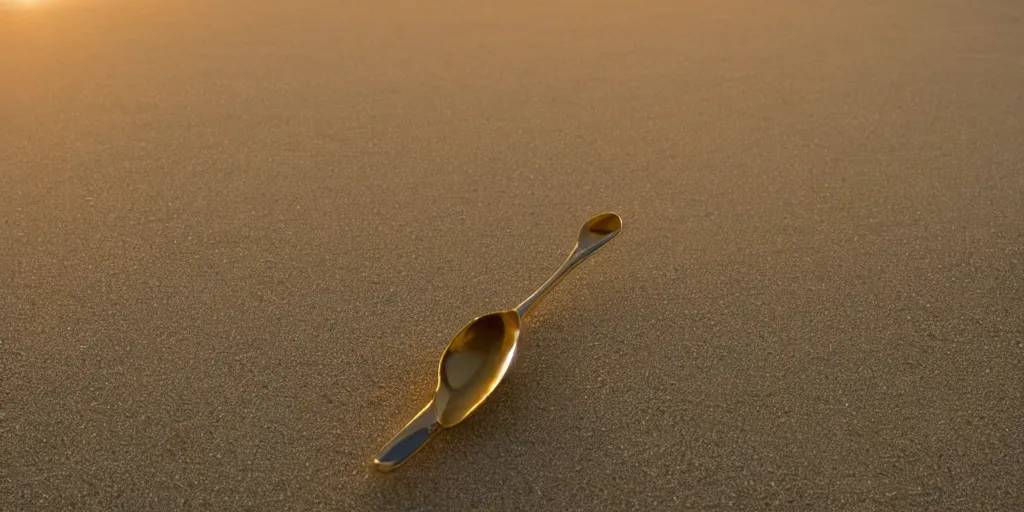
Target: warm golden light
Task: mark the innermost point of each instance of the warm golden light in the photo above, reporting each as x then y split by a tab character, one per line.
20	3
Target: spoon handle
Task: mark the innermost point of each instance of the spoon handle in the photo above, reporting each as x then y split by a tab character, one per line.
407	442
595	232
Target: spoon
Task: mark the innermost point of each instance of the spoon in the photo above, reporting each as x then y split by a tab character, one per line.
478	356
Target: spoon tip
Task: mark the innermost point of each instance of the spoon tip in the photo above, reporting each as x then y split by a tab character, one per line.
383	467
604	224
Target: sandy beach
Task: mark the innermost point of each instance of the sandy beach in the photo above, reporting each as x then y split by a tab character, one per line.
236	236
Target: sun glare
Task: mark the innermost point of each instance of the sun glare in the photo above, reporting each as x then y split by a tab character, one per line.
20	3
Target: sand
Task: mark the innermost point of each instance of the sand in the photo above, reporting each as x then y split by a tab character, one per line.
236	236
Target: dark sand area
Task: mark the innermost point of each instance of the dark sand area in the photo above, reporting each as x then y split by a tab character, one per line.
235	237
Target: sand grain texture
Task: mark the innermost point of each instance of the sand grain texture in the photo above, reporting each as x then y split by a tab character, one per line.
235	236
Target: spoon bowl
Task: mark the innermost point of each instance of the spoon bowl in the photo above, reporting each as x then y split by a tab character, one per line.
473	364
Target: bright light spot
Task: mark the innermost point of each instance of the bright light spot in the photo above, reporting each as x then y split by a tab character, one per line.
20	3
